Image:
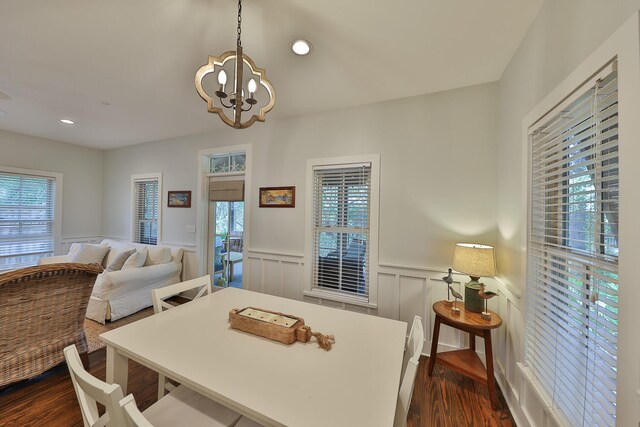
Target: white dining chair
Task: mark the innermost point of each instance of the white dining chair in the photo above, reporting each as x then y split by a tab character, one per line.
182	406
203	287
159	295
414	341
91	391
412	357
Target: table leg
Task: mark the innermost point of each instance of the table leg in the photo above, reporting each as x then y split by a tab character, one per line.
472	341
231	271
117	368
491	380
434	345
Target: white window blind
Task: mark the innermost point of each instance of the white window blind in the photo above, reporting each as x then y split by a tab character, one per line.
26	219
146	208
572	273
340	249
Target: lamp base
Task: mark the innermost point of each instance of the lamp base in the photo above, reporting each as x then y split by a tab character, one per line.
485	315
472	301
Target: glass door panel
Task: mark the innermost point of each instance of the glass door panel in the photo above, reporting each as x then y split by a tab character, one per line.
226	237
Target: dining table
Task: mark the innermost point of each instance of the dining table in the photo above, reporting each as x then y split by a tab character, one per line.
354	384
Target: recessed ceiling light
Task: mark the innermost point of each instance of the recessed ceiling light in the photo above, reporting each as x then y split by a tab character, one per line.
67	122
301	47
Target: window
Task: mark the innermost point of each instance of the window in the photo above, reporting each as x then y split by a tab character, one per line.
572	275
344	230
28	220
146	191
228	163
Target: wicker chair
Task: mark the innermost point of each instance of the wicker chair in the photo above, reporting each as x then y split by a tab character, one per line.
41	312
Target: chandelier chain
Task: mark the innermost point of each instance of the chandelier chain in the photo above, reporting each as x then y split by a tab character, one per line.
239	42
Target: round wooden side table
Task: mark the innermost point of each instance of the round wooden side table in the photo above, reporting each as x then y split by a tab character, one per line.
466	361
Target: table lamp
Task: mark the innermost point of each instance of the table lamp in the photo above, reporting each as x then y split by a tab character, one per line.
476	261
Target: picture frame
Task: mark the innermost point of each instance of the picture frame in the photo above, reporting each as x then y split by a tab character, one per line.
179	199
277	197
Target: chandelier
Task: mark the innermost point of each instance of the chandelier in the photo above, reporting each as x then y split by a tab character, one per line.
231	103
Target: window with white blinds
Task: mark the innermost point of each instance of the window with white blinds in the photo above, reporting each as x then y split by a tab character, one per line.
572	272
146	211
27	215
341	228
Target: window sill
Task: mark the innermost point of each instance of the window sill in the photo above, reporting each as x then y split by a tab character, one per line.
339	297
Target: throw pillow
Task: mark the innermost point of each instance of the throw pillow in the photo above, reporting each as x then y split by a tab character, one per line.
158	256
176	255
73	250
89	254
119	261
136	260
116	248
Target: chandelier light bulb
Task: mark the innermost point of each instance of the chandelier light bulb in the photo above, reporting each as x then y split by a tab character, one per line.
222	77
252	87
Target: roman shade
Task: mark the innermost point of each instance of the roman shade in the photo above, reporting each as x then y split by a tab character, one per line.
226	191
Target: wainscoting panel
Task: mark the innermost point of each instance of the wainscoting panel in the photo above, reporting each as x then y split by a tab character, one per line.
413	299
513	338
66	242
388	296
271	278
292	275
252	279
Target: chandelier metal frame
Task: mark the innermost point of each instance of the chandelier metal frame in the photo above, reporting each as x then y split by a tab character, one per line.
236	98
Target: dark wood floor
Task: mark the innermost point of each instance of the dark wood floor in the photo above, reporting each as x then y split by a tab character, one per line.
446	399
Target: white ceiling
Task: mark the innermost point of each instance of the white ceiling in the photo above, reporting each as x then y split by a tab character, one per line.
124	69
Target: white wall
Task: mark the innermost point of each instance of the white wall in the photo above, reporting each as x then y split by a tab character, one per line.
562	36
437	187
82	178
437	173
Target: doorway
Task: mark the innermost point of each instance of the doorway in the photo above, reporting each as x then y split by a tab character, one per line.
226	232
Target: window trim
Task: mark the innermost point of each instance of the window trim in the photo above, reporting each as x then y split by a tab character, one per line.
140	177
374	209
57	199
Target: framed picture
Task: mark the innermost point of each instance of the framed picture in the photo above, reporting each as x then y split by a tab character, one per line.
277	197
179	199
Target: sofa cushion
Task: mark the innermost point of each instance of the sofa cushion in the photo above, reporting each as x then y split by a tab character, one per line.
136	260
158	255
119	260
88	254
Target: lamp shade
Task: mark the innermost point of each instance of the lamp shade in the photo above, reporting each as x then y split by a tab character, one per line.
474	260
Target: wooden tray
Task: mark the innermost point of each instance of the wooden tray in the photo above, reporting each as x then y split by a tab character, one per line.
284	328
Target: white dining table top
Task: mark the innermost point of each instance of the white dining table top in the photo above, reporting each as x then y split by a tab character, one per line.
354	384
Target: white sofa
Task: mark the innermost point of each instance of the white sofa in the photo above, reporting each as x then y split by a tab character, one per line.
117	294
